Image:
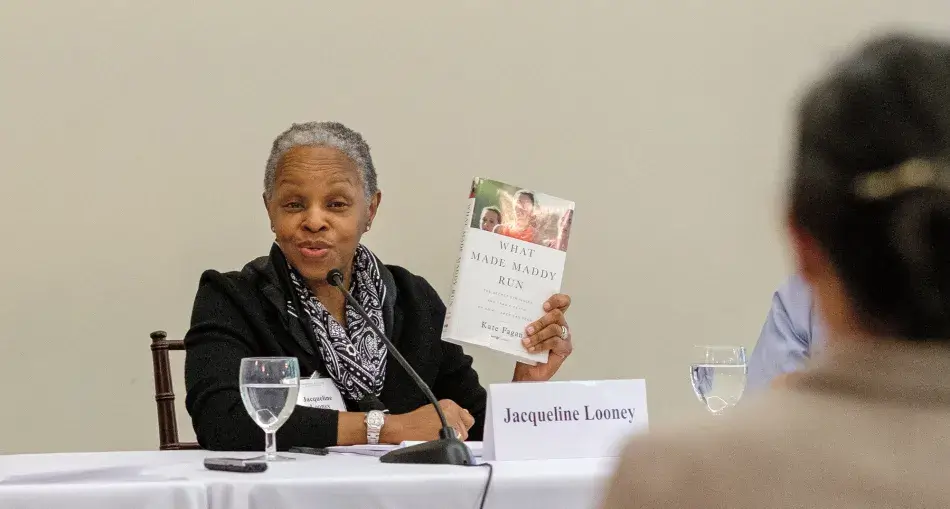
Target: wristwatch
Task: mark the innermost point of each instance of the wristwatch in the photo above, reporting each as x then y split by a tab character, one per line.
374	424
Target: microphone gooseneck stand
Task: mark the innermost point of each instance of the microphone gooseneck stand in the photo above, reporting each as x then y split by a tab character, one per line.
448	449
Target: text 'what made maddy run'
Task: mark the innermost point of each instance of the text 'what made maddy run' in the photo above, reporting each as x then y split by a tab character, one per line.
515	266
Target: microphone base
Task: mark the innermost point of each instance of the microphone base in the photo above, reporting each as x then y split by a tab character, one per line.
445	451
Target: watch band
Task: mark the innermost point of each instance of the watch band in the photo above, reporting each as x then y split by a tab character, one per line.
374	425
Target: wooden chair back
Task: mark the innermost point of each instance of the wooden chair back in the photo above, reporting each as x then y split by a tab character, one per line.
165	395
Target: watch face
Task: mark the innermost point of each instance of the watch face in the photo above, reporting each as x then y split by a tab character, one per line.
374	419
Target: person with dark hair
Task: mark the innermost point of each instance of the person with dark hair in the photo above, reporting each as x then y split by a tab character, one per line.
524	216
866	425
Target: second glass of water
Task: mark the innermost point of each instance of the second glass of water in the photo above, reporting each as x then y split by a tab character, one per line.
269	387
718	374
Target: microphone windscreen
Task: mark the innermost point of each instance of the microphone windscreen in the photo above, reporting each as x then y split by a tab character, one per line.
335	277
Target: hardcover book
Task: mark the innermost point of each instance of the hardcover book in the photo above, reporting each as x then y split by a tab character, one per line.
514	245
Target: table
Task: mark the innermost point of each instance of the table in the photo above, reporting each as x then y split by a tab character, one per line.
178	479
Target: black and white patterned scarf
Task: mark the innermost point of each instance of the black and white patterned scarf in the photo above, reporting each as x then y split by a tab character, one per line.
355	359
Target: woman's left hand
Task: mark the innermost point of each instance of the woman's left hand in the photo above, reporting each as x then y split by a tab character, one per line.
551	334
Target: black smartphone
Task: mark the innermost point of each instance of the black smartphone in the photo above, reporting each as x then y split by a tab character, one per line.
310	450
235	465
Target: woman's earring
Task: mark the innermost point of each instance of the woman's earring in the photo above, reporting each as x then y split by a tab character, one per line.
368	227
273	229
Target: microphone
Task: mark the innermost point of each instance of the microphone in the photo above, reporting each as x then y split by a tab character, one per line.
448	449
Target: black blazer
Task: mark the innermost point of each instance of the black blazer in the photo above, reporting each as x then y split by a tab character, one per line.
245	314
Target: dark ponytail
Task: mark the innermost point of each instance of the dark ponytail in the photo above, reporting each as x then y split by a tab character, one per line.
872	183
920	235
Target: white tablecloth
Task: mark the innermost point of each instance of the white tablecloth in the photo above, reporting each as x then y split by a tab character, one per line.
179	480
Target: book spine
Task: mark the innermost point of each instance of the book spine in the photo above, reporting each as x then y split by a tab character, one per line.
447	329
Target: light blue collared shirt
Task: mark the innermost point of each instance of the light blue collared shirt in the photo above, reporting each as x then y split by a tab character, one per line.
790	334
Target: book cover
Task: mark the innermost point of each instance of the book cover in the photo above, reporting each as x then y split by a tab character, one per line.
514	245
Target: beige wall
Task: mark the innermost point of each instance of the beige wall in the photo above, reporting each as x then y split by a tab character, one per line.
133	136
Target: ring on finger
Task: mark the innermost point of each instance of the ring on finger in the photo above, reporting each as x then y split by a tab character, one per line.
564	332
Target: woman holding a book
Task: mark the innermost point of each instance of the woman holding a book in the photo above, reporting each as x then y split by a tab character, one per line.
321	196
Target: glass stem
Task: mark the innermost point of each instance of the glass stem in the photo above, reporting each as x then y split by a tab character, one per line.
270	446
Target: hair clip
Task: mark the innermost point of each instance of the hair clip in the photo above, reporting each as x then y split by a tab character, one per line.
911	174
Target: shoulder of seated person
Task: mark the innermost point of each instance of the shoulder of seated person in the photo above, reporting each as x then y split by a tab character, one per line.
762	429
404	278
795	290
415	288
251	275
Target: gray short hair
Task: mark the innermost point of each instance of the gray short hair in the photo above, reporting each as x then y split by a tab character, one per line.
322	134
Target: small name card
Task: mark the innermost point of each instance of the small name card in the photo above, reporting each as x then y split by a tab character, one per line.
320	393
552	420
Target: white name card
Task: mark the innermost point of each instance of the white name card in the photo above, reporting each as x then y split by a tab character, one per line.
320	393
552	420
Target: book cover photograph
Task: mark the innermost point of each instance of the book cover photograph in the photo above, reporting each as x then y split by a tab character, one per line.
514	245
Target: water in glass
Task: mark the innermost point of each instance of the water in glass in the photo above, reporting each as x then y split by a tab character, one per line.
718	376
269	387
270	405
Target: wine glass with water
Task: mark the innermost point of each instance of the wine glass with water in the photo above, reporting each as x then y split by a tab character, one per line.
269	387
718	374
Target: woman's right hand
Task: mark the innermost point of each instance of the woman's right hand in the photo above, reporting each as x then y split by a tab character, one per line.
423	423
